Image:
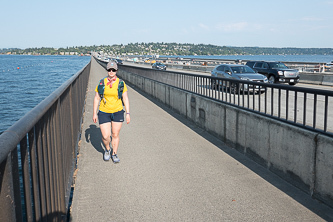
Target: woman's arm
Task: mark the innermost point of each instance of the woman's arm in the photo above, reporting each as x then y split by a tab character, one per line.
127	107
95	107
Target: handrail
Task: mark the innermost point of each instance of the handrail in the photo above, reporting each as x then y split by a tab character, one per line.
38	153
11	137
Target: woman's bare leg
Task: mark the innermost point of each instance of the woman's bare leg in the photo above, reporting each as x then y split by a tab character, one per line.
116	126
106	134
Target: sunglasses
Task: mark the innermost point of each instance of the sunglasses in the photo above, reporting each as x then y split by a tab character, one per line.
112	70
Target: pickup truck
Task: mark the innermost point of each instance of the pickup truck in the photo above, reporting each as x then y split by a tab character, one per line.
276	72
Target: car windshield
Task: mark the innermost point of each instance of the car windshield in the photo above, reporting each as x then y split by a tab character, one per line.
242	69
278	65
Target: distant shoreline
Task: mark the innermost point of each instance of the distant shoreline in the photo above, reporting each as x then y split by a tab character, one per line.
283	58
170	49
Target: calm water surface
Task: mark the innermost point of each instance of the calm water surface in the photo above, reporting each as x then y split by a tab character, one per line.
26	80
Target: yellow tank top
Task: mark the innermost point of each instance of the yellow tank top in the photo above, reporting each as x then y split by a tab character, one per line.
111	104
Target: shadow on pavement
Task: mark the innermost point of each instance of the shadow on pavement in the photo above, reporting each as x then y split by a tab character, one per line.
94	136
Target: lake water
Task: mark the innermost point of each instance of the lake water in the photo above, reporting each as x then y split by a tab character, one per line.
26	80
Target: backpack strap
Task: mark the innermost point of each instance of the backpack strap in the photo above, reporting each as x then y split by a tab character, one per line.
101	88
120	90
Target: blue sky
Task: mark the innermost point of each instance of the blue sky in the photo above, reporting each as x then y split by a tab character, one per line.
263	23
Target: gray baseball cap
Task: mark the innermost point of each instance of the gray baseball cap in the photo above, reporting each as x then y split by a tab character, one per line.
111	65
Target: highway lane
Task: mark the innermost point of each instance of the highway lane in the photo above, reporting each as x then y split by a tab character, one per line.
313	86
147	65
284	107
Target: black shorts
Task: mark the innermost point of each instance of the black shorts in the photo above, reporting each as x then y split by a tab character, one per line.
108	117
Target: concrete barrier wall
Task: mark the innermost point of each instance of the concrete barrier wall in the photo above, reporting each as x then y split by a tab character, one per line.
311	78
327	80
324	170
303	158
317	78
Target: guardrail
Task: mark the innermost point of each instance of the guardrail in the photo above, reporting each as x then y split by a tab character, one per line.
38	155
303	107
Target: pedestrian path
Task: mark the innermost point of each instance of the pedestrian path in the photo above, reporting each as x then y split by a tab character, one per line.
170	170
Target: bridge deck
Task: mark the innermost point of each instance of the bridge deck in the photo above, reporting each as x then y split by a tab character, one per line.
170	170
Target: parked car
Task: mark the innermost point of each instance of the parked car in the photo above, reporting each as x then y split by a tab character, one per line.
239	72
119	61
329	65
159	66
276	72
106	59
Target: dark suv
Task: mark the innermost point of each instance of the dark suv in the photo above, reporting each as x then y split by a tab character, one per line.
275	72
159	66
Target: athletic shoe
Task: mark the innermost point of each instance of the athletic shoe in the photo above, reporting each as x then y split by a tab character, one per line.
107	155
115	158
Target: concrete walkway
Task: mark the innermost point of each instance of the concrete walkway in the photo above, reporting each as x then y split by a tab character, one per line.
170	170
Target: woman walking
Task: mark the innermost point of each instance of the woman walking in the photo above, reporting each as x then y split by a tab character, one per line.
110	113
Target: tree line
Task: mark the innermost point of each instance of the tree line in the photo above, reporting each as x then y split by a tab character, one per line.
170	49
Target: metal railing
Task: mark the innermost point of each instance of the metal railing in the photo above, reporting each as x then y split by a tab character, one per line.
304	107
38	155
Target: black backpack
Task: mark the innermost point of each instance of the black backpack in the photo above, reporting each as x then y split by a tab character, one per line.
101	87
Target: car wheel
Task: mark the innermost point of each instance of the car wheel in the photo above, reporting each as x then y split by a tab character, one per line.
271	79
